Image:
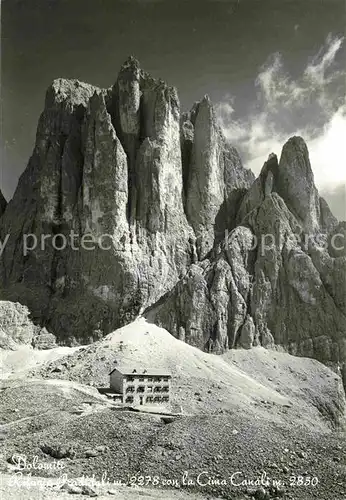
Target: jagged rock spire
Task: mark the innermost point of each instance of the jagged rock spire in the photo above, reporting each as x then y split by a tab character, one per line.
131	63
295	183
109	162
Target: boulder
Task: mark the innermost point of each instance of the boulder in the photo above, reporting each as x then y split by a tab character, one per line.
16	326
44	340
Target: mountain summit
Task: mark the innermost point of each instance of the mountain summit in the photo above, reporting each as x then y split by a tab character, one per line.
178	229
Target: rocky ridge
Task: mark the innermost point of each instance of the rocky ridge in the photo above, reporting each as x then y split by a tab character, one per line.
218	258
274	280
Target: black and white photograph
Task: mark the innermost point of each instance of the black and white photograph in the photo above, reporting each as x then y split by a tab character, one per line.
173	250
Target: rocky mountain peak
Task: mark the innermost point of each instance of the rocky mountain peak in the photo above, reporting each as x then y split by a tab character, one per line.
109	161
131	64
295	183
192	238
72	93
269	174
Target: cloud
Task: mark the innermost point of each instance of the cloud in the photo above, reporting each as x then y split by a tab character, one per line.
316	72
312	105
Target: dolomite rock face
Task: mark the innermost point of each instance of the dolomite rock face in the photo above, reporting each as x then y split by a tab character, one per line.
261	187
290	293
215	179
210	303
128	206
45	200
277	279
15	325
98	227
295	184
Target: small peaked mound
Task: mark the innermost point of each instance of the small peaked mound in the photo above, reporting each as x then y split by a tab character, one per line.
232	382
143	344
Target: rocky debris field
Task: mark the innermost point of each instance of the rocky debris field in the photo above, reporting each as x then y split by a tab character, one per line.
256	380
186	278
262	415
134	448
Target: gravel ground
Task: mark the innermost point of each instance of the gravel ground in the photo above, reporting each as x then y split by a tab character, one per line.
255	425
127	447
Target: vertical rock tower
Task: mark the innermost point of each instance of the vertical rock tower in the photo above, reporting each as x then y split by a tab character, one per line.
108	163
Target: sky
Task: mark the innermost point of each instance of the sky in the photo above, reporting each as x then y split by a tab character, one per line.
272	68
